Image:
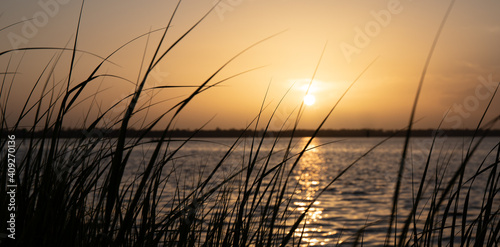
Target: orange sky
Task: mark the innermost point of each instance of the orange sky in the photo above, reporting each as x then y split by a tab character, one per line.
461	75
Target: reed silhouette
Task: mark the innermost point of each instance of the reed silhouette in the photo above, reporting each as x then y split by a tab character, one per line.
75	191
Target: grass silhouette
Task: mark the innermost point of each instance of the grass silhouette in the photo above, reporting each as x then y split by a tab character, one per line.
69	196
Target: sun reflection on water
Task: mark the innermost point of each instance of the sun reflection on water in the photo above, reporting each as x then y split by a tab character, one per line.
308	175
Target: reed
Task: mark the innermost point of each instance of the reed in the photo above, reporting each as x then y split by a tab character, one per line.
84	196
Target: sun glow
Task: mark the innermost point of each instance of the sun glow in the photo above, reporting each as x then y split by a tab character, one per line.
309	99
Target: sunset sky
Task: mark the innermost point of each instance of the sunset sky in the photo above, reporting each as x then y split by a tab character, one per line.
461	77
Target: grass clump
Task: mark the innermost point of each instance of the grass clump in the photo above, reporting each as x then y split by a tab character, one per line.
83	191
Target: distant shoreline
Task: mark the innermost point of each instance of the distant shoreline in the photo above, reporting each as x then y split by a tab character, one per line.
219	133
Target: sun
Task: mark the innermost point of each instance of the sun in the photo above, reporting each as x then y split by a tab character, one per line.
309	99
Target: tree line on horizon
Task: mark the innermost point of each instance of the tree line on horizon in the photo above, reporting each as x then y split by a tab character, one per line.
178	133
